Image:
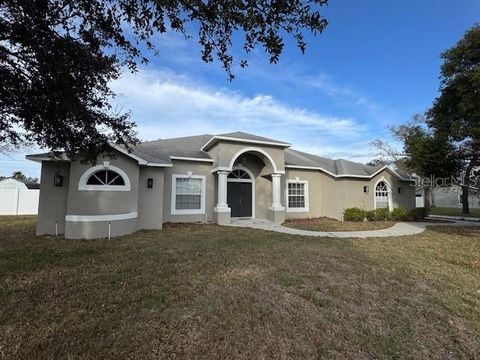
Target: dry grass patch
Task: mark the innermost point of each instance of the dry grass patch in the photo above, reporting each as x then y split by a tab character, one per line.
212	292
327	224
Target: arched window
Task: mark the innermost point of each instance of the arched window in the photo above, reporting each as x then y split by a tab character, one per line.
239	174
382	194
104	178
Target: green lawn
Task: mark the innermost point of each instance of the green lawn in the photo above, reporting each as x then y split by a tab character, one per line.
454	212
211	292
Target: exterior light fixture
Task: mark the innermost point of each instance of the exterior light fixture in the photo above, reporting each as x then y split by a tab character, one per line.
150	183
365	189
58	180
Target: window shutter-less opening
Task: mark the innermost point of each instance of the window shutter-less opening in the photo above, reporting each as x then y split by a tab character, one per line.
188	194
381	195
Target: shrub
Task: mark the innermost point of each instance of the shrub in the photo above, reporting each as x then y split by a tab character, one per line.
371	215
382	215
399	214
354	214
418	213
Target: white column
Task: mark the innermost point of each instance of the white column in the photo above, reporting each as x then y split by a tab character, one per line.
276	195
222	190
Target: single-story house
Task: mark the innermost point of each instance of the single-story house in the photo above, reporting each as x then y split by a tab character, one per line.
206	178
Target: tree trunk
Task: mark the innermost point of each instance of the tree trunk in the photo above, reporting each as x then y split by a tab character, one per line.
466	186
429	201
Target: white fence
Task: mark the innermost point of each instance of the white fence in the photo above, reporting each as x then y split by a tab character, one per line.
19	202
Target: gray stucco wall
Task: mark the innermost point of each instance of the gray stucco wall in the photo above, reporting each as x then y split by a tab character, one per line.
330	196
84	202
99	229
182	168
52	206
223	152
81	202
150	201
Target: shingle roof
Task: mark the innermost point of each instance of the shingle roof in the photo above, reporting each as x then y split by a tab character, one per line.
184	147
160	151
242	135
334	167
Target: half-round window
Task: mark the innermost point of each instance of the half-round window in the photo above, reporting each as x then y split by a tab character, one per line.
104	178
239	174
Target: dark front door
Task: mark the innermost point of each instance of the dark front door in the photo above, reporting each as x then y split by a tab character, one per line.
239	199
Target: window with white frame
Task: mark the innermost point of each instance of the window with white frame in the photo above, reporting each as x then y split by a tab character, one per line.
188	194
104	177
297	196
382	196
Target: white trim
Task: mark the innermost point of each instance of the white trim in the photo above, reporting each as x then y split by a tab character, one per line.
125	152
220	168
390	197
251	180
254	149
93	218
262	142
191	159
82	183
159	165
173	210
307	204
139	159
37	159
386	167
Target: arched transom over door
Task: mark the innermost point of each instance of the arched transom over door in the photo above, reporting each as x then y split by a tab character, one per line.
240	193
382	194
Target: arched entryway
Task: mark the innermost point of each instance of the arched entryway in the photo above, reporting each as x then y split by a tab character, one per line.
254	192
241	192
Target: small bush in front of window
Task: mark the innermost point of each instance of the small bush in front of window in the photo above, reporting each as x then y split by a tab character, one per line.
382	214
399	214
354	214
371	215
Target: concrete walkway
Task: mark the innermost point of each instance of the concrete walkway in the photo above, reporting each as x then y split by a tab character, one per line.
399	229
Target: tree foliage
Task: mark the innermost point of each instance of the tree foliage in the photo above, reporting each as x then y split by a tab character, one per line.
58	57
455	114
424	154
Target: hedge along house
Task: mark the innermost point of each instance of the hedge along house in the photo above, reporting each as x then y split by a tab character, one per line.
206	178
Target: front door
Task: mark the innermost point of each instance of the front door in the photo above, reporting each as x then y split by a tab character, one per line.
239	199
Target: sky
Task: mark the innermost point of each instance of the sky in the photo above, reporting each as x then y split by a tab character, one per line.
375	66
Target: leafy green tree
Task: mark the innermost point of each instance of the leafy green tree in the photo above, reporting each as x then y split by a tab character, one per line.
428	155
455	115
18	175
57	58
423	155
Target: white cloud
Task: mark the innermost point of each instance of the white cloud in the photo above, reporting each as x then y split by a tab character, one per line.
167	105
346	96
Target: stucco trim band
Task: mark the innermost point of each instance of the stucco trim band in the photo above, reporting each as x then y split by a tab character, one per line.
90	218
